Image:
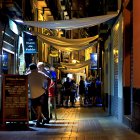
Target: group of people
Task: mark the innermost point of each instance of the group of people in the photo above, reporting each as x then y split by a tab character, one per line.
44	86
90	91
70	90
66	92
41	85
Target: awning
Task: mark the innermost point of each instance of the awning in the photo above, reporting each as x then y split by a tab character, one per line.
64	42
72	48
72	23
80	70
77	65
54	40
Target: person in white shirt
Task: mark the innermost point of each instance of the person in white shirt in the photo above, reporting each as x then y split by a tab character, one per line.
41	67
36	81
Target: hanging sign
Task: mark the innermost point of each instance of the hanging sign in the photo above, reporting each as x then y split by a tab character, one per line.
93	57
30	43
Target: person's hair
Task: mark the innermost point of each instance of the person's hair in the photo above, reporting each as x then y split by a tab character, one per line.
40	64
33	66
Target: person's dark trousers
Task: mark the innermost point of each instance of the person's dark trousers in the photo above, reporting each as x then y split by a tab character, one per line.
72	98
66	100
62	99
45	106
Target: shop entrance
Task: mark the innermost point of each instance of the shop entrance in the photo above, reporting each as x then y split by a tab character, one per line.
7	63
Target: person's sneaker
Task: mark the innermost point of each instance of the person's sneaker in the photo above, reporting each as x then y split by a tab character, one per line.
45	121
38	124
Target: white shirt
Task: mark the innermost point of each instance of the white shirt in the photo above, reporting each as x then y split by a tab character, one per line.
36	80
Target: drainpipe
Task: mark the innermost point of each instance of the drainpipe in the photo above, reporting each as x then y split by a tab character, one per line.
131	63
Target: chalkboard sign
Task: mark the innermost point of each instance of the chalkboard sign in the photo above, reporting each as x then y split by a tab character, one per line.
15	98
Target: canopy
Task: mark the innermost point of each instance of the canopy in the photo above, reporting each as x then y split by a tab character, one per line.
65	42
72	23
68	44
72	48
81	70
77	65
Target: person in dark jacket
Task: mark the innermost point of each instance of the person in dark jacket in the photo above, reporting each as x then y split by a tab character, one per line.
73	92
81	90
67	90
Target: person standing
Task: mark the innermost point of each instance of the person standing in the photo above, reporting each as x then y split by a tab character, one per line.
59	93
67	90
92	92
73	92
51	98
98	84
37	92
45	109
81	90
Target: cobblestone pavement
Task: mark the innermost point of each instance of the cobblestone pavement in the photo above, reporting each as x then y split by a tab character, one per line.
77	123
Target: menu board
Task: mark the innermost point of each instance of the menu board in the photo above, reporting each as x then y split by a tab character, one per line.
15	98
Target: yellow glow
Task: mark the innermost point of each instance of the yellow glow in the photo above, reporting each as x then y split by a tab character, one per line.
74	61
117	26
54	55
115	52
41	4
88	51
